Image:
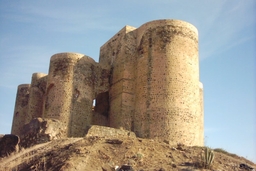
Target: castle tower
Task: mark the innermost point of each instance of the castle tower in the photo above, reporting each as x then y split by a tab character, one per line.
154	86
84	87
36	98
146	81
167	104
89	80
20	117
59	93
118	54
74	81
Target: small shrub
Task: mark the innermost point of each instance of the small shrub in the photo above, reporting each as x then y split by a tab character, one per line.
224	152
220	150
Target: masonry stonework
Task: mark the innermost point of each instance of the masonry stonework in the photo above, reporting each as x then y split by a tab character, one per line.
36	95
20	117
146	81
167	82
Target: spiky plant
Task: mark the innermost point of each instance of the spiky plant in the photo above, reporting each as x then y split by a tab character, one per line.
207	158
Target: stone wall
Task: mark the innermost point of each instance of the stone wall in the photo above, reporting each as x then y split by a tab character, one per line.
107	132
167	101
20	117
154	82
36	95
118	54
146	81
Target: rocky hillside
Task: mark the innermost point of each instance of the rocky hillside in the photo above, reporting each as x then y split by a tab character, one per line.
104	153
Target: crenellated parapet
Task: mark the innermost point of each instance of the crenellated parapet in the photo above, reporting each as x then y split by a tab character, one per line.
146	81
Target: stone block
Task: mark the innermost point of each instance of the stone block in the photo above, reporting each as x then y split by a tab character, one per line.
107	132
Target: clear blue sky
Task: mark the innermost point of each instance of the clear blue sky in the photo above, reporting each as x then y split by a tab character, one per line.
32	31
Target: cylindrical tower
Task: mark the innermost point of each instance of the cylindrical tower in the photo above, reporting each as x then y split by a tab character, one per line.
85	78
59	93
20	116
37	91
167	104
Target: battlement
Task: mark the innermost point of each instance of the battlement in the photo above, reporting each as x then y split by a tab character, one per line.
146	81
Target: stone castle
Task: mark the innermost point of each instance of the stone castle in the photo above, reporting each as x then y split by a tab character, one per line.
146	81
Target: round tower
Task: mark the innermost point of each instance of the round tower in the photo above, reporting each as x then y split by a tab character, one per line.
37	91
59	89
167	104
84	84
20	116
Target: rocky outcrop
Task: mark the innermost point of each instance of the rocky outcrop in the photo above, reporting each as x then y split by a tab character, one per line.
40	130
9	143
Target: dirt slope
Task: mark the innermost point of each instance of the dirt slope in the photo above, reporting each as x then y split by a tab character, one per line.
102	154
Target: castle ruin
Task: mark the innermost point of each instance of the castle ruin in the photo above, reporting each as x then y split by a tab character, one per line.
146	81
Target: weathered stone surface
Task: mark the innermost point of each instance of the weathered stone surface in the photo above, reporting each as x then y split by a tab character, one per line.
146	81
74	81
40	131
107	132
36	95
20	117
155	89
8	143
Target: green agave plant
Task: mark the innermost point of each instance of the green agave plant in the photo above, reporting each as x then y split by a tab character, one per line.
207	158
